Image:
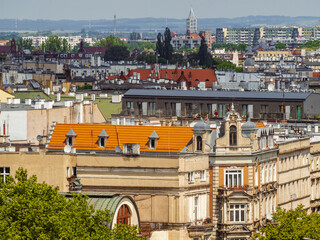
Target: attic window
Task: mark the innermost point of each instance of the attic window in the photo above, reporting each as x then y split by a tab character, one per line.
102	138
153	138
70	137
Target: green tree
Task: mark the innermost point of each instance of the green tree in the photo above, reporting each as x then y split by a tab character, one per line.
111	41
54	43
292	224
280	45
204	55
24	44
142	46
177	59
135	36
168	49
193	59
116	53
160	45
226	66
32	210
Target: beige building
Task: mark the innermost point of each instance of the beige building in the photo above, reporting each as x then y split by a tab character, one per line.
294	184
243	178
315	176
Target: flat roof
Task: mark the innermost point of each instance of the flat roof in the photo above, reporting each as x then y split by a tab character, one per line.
153	93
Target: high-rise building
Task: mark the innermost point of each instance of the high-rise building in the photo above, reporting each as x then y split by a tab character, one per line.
237	35
191	23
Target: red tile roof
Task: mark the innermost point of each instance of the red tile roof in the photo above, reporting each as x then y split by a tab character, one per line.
191	76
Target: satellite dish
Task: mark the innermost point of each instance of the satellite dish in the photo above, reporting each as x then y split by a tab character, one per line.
271	87
118	149
67	149
39	138
64	89
298	86
38	97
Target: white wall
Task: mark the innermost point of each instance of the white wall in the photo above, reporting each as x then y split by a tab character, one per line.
16	124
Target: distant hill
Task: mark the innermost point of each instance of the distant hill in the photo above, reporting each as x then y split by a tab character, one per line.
155	24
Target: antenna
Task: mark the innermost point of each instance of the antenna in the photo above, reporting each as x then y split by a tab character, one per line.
114	25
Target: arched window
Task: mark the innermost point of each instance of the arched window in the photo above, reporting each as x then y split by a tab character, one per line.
199	143
124	215
233	136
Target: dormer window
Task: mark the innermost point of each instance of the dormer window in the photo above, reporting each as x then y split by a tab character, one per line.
233	136
153	138
70	137
199	143
103	138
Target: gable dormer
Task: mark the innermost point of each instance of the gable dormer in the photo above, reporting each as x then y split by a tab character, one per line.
153	138
201	136
103	136
71	135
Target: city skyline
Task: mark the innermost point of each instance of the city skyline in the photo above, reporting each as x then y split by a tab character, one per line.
99	9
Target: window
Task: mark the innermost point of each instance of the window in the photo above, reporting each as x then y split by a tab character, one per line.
237	213
74	171
233	136
152	143
152	108
264	109
199	143
256	180
102	142
203	175
69	141
190	176
233	177
4	172
262	175
124	215
68	172
274	172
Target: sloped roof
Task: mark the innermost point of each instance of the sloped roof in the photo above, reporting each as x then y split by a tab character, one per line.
191	75
171	139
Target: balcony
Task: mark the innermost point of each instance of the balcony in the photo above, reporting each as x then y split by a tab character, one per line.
227	191
235	227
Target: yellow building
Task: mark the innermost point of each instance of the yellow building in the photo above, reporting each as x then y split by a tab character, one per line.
4	96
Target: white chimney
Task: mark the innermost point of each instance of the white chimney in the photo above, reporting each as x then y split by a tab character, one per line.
99	61
16	101
58	97
28	101
92	61
93	97
9	100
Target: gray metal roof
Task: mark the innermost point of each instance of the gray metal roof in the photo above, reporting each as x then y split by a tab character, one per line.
103	133
154	135
216	94
71	133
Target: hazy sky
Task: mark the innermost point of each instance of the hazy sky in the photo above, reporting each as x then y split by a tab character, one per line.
105	9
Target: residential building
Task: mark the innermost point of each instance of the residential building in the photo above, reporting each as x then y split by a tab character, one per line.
238	35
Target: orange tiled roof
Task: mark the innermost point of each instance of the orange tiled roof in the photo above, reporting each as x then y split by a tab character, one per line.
260	125
171	139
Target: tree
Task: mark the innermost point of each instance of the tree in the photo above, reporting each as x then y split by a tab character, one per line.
32	210
226	66
203	54
54	43
24	44
168	49
193	59
160	45
280	46
135	36
142	46
116	53
111	41
292	224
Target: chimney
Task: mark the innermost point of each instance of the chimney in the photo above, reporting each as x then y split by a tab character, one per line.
58	97
9	100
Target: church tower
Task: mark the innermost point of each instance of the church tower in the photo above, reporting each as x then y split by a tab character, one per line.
191	23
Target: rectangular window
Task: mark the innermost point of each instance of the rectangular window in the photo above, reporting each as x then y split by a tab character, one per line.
237	213
264	109
203	175
190	176
152	108
233	177
68	172
129	107
4	172
74	171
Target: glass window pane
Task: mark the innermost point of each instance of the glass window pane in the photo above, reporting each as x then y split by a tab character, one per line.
242	215
231	216
237	217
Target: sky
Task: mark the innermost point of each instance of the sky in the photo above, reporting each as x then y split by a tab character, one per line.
105	9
